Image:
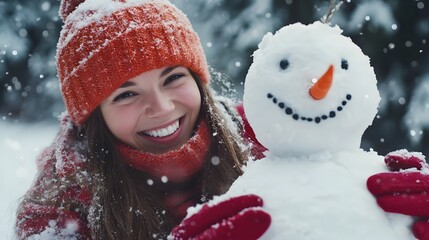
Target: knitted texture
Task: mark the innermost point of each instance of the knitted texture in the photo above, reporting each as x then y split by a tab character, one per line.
178	165
104	43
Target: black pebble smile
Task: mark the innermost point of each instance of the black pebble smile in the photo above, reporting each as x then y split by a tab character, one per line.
288	110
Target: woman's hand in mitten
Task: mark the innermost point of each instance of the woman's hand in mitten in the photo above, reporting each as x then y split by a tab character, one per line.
405	190
236	218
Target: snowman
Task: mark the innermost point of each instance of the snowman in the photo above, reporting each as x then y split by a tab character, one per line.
309	95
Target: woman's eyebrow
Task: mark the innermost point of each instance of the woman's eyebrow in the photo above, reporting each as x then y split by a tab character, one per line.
167	71
127	84
163	73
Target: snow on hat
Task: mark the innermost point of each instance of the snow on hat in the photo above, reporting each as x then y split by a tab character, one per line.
104	43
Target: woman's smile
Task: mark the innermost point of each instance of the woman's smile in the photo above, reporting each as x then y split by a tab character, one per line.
156	111
163	131
168	133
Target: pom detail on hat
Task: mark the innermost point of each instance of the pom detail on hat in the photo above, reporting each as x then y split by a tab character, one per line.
68	6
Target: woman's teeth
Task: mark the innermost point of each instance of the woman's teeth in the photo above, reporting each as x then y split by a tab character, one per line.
163	132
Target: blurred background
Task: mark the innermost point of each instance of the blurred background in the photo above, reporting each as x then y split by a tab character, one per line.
393	33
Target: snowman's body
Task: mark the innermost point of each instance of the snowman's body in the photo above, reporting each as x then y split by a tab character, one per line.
322	196
309	95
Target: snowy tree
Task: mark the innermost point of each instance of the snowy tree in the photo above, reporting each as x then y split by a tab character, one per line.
28	34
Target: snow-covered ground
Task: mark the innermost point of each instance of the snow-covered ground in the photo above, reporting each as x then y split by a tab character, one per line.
19	146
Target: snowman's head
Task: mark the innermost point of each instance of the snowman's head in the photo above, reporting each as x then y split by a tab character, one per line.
310	89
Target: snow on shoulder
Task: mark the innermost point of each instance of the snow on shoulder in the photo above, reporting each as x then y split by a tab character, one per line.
309	95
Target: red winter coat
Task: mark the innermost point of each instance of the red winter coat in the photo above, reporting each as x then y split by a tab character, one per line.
38	214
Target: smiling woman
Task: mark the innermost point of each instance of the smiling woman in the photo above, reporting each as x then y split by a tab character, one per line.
162	107
142	126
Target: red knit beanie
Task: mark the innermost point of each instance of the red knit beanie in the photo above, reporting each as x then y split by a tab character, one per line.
104	43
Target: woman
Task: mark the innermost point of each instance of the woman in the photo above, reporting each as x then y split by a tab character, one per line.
143	138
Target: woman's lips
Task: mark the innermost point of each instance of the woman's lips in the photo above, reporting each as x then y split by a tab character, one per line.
164	134
165	131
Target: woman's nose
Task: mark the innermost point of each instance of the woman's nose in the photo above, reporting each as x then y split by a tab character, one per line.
159	105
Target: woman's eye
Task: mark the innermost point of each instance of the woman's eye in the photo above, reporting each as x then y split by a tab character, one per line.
173	78
123	96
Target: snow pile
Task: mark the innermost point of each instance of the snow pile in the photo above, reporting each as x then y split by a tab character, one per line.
309	95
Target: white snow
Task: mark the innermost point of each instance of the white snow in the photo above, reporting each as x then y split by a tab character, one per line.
406	154
20	144
53	233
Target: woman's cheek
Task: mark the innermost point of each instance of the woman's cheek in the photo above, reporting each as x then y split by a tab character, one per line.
190	96
124	120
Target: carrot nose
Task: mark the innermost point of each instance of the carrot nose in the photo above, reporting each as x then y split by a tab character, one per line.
320	89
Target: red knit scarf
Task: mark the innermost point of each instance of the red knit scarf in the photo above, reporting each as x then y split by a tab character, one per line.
177	165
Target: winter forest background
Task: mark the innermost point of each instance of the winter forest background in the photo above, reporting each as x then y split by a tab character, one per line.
393	33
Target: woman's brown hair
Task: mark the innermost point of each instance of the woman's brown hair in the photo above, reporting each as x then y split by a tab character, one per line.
122	207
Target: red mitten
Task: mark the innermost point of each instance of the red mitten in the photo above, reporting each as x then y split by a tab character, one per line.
405	190
236	218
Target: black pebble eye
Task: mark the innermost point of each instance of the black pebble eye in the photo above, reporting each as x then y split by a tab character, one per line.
284	64
344	64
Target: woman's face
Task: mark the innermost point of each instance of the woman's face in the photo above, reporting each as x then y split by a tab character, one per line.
156	111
